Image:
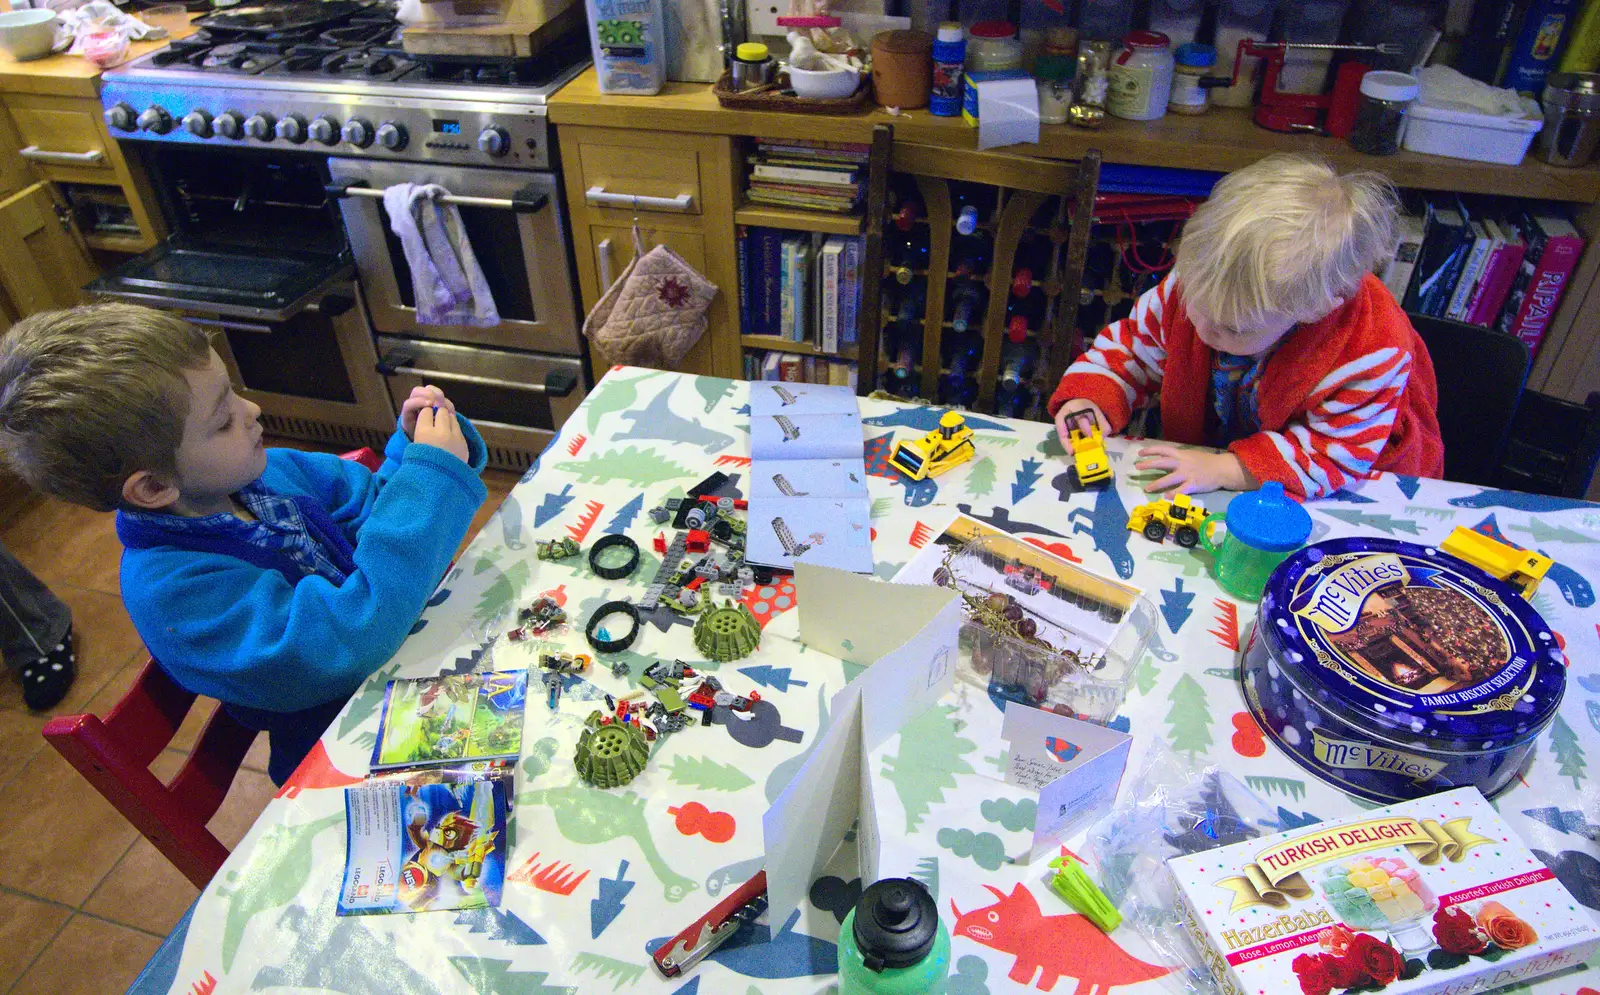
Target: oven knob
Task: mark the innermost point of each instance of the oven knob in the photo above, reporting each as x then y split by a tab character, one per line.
324	130
292	128
229	124
197	123
122	117
259	126
358	132
392	136
494	141
156	120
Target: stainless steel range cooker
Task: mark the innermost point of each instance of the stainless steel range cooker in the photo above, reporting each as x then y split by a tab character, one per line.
271	135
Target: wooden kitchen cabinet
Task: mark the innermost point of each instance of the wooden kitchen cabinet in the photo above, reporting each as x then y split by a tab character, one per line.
43	263
627	162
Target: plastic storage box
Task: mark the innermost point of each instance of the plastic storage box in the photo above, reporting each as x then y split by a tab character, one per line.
1464	135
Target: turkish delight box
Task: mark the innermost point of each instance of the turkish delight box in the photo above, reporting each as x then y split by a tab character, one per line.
1434	895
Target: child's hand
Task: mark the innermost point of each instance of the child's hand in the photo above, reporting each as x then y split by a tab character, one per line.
440	430
422	397
1075	405
1193	471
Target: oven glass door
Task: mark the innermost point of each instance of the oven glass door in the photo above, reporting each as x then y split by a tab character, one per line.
522	255
262	285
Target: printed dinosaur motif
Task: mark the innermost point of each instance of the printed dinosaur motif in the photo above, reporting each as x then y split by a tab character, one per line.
510	516
1575	587
713	389
1518	501
632	465
1053	946
340	954
585	815
756	952
614	393
1185	560
657	421
277	867
1000	518
1108	527
926	419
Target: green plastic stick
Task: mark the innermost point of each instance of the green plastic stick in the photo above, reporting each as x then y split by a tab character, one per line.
1073	884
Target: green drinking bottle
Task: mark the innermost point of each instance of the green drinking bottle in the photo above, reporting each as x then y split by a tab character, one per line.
1263	528
892	942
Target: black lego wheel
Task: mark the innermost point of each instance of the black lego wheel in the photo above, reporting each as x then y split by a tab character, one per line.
1186	537
1155	531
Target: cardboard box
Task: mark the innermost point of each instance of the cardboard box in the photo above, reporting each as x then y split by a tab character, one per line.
1434	895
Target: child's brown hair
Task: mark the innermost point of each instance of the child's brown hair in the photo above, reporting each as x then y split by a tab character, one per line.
92	394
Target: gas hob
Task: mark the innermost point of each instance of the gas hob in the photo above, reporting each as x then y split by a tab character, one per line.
330	77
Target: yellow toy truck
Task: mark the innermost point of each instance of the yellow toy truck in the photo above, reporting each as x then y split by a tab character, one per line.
1523	569
1088	448
947	446
1180	515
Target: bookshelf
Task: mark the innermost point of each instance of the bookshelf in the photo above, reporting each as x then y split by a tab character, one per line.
775	343
766	216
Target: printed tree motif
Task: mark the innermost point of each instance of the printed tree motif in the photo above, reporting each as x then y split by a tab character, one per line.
1564	744
500	924
1543	532
1027	478
1175	605
930	755
708	775
632	464
769	676
626	514
1408	485
927	872
1144	678
1565	821
1290	786
499	595
620	972
980	480
1189	717
1385	523
495	977
605	909
552	505
881	506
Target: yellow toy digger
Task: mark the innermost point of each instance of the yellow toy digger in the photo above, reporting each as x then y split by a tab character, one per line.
1089	458
1182	516
947	446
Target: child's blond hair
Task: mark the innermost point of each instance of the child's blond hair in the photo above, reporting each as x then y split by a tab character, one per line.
1286	235
90	395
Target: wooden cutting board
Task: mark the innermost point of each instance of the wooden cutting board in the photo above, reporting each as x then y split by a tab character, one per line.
528	26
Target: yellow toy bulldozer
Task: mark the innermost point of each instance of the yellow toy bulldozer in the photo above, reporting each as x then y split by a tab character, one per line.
1182	516
947	446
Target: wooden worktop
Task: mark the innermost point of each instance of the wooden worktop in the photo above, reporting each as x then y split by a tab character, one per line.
1223	139
68	75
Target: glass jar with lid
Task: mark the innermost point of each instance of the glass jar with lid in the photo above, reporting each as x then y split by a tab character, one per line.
1193	63
1140	77
993	45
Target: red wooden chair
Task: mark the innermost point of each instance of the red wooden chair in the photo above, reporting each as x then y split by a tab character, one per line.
114	755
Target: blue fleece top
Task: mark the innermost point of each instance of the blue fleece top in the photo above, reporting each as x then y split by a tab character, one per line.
253	626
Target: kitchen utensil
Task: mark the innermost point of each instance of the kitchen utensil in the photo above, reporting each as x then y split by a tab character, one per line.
1571	118
27	34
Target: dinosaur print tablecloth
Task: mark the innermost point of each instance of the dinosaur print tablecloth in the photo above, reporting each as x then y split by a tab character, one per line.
599	878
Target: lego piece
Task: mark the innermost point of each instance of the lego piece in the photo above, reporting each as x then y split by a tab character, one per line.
670	722
542	615
710	485
1523	569
659	515
610	754
1181	515
553	685
729	632
945	447
620	668
517	635
689	597
614	570
1074	885
557	549
1088	446
670	699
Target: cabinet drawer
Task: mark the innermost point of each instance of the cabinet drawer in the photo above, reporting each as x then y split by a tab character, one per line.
64	139
647	168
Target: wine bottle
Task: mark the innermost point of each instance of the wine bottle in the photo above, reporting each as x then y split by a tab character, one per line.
970	257
906	217
968	304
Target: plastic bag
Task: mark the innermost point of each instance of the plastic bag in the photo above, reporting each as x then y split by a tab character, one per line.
1446	89
1174	808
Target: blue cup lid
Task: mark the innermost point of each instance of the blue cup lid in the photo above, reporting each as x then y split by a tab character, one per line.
1196	54
1269	519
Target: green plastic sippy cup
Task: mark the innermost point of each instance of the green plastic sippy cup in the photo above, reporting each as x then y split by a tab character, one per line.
892	942
1263	528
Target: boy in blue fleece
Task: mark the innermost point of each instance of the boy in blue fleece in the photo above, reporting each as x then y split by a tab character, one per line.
273	580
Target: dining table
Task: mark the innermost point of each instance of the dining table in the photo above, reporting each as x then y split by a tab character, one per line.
597	879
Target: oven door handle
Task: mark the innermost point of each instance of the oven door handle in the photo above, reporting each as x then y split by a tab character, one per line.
237	326
527	199
557	383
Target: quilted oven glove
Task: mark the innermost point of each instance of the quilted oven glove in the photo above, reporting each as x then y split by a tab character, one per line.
654	314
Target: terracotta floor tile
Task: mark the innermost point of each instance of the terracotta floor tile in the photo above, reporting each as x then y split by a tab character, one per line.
144	889
19	740
66	544
27	925
260	753
105	641
49	810
89	957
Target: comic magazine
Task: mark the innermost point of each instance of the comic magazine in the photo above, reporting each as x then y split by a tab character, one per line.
427	840
446	720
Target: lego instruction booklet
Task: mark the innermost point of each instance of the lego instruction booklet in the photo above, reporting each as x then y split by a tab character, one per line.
450	719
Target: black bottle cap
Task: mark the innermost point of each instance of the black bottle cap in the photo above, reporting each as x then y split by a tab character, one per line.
895	925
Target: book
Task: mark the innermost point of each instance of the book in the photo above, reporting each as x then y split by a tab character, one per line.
1439	262
1554	246
1538	45
427	841
806	174
450	720
850	291
829	204
828	292
802	291
1502	270
772	366
789	368
743	244
771	273
1477	255
786	287
1397	275
1493	28
806	190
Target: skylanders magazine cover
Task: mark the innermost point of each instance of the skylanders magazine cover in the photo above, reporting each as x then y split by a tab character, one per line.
429	840
455	717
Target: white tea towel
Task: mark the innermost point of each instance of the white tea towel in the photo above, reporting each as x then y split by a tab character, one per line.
448	283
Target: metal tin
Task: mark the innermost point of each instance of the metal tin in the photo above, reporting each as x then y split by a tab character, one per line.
1394	671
